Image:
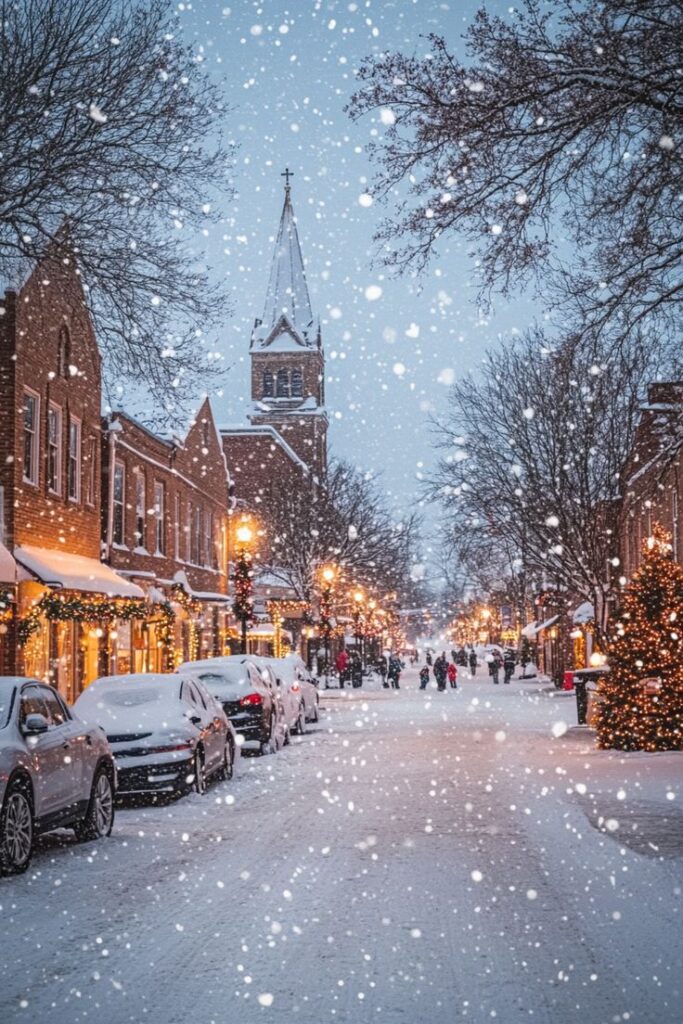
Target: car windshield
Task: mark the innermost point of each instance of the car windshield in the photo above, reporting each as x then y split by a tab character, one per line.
132	698
224	683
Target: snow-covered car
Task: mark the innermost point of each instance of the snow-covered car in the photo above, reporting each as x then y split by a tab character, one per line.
249	699
293	673
55	771
289	696
167	733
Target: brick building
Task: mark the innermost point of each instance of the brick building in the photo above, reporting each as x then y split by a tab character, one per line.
50	492
165	526
654	475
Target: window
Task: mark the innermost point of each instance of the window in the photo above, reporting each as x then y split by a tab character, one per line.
195	557
63	352
297	384
31	410
54	449
267	384
208	539
159	518
57	714
205	433
176	528
282	384
140	509
3	534
32	703
118	499
74	467
90	471
188	532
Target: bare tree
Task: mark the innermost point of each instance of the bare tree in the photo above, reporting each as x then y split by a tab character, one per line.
346	521
532	460
562	126
111	155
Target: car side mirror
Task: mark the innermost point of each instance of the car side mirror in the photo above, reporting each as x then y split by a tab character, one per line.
35	724
195	719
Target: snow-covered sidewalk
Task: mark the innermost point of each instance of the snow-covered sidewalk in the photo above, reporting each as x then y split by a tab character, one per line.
418	857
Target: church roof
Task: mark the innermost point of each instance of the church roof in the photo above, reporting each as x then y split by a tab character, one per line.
287	289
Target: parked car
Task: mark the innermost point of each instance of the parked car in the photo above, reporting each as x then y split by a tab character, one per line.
167	733
249	699
55	771
290	703
293	673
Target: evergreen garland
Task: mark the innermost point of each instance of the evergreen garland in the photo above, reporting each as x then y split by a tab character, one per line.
243	605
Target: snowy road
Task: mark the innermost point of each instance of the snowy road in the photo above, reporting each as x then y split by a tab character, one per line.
417	858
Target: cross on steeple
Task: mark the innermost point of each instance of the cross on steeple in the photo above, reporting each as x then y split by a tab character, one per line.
287	174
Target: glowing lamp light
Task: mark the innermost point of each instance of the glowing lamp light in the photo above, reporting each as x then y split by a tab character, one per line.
328	574
244	534
597	660
358	597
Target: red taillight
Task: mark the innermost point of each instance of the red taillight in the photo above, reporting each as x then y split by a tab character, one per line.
295	687
252	699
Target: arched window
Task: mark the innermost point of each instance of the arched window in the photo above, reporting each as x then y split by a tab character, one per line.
63	352
297	384
267	384
283	383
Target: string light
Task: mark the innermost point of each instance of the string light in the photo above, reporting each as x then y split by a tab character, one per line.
641	698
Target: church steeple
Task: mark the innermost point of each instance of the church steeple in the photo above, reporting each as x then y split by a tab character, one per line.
287	292
288	365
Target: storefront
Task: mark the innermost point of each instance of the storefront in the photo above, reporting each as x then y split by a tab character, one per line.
8	577
69	611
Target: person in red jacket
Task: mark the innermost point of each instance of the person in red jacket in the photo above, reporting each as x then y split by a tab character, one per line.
452	675
341	665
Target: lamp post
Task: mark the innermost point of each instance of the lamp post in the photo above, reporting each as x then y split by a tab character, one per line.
243	605
358	598
328	575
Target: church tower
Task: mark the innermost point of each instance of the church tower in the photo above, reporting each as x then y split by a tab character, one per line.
287	359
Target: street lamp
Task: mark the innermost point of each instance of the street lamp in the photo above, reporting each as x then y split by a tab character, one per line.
328	575
359	598
243	604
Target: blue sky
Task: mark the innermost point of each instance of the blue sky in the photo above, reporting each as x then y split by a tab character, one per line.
288	68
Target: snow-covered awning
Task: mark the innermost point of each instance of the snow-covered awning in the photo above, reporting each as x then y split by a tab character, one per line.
8	567
534	628
584	613
75	572
197	595
267	630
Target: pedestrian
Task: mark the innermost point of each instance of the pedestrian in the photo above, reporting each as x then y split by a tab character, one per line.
440	672
383	666
356	670
454	656
462	657
424	677
429	657
473	662
395	667
509	662
342	665
452	675
496	666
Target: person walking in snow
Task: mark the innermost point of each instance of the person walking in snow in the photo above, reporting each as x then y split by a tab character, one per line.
509	662
383	667
440	671
452	673
424	677
429	657
473	662
495	667
395	667
341	665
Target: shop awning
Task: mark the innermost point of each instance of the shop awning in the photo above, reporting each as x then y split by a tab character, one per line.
534	628
197	595
266	630
8	567
75	572
584	613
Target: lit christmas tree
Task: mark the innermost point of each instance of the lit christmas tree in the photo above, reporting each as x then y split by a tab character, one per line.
642	697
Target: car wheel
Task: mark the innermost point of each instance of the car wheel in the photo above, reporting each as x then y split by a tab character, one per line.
16	830
269	743
300	727
99	818
226	769
316	712
199	773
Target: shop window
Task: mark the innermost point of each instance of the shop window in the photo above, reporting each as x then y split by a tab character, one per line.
74	464
31	441
54	449
119	494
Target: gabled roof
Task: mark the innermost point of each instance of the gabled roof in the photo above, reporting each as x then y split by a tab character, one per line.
287	289
281	337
